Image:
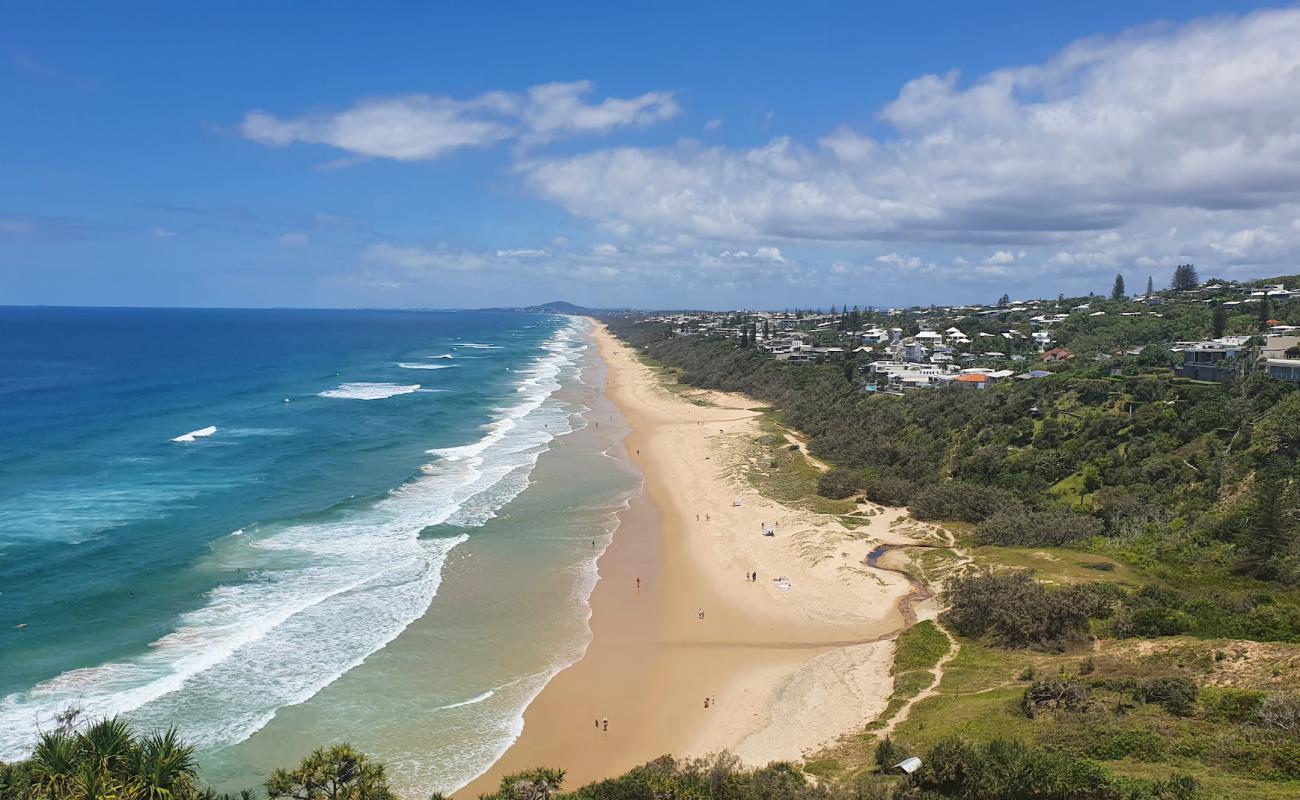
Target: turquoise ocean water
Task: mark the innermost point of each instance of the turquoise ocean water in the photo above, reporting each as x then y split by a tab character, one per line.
281	529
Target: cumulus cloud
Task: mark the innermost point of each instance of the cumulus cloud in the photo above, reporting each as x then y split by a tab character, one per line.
421	127
1158	143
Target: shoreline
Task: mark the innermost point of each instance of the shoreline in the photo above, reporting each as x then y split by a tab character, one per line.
791	666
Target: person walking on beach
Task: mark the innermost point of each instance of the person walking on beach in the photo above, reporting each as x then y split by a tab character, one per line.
700	613
638	583
604	724
706	702
597	723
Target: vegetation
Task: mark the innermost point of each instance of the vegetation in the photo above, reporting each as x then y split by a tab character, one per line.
1110	506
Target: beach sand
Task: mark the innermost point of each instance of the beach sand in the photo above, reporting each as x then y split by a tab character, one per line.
791	669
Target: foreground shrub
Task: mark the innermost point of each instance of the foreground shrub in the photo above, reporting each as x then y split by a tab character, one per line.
1005	769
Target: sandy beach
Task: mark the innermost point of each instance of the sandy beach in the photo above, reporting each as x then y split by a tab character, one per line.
789	665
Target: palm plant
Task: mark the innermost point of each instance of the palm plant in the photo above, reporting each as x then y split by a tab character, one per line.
163	768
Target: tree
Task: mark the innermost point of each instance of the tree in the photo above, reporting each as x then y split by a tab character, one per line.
1265	312
339	773
535	784
1220	320
1117	288
1269	536
1184	277
1151	286
107	761
1004	300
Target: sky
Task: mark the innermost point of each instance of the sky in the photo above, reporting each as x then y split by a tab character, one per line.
651	155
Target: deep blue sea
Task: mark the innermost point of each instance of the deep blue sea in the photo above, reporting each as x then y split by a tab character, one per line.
207	516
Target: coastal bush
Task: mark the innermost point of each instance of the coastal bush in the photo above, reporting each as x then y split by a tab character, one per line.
103	759
337	772
1007	769
838	484
956	500
1174	694
1281	712
1018	611
889	491
1053	694
1049	528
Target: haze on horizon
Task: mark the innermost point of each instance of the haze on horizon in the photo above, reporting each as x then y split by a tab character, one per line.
661	156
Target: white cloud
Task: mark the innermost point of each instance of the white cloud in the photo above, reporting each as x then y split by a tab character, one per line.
420	260
1169	142
293	239
1003	257
163	233
713	124
556	109
525	253
422	127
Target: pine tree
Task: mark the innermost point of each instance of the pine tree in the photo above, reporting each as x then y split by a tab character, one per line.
1220	320
1184	278
1269	536
1151	286
1265	312
1117	289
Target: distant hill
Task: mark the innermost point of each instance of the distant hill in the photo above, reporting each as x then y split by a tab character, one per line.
558	307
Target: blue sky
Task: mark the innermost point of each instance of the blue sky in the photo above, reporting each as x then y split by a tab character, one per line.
668	155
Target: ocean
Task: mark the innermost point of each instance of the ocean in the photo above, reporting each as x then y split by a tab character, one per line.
282	529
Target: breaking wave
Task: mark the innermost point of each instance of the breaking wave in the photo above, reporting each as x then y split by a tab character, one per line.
310	599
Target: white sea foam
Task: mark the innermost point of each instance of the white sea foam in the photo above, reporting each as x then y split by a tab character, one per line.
409	365
314	598
477	346
472	701
369	391
192	435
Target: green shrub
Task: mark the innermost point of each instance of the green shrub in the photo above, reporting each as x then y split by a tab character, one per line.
957	500
1018	527
838	484
1021	612
1176	695
890	491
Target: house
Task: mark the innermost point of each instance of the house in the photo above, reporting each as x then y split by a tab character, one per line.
972	380
1283	369
1215	360
1057	354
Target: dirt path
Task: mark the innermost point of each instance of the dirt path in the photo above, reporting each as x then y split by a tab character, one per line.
798	441
920	592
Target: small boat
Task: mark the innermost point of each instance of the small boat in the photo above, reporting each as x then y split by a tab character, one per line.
20	626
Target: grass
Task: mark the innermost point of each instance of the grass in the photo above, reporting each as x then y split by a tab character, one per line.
917	652
979	698
920	647
1056	564
777	469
